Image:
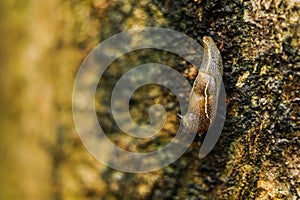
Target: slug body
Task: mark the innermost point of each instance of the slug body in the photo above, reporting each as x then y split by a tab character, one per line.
204	95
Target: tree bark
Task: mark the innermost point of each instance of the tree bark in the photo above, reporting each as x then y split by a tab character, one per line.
43	45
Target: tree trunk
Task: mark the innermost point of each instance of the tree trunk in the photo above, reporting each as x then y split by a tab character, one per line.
257	155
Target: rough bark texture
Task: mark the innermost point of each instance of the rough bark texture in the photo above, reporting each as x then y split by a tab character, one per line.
257	156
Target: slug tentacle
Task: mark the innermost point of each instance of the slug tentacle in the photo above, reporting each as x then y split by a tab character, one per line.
204	95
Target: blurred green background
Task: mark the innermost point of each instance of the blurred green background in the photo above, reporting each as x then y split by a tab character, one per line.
43	44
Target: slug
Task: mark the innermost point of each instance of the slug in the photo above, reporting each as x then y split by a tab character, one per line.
205	92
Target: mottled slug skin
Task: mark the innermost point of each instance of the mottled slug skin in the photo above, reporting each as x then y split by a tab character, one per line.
204	95
212	62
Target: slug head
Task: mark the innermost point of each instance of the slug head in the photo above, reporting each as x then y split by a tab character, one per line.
190	122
